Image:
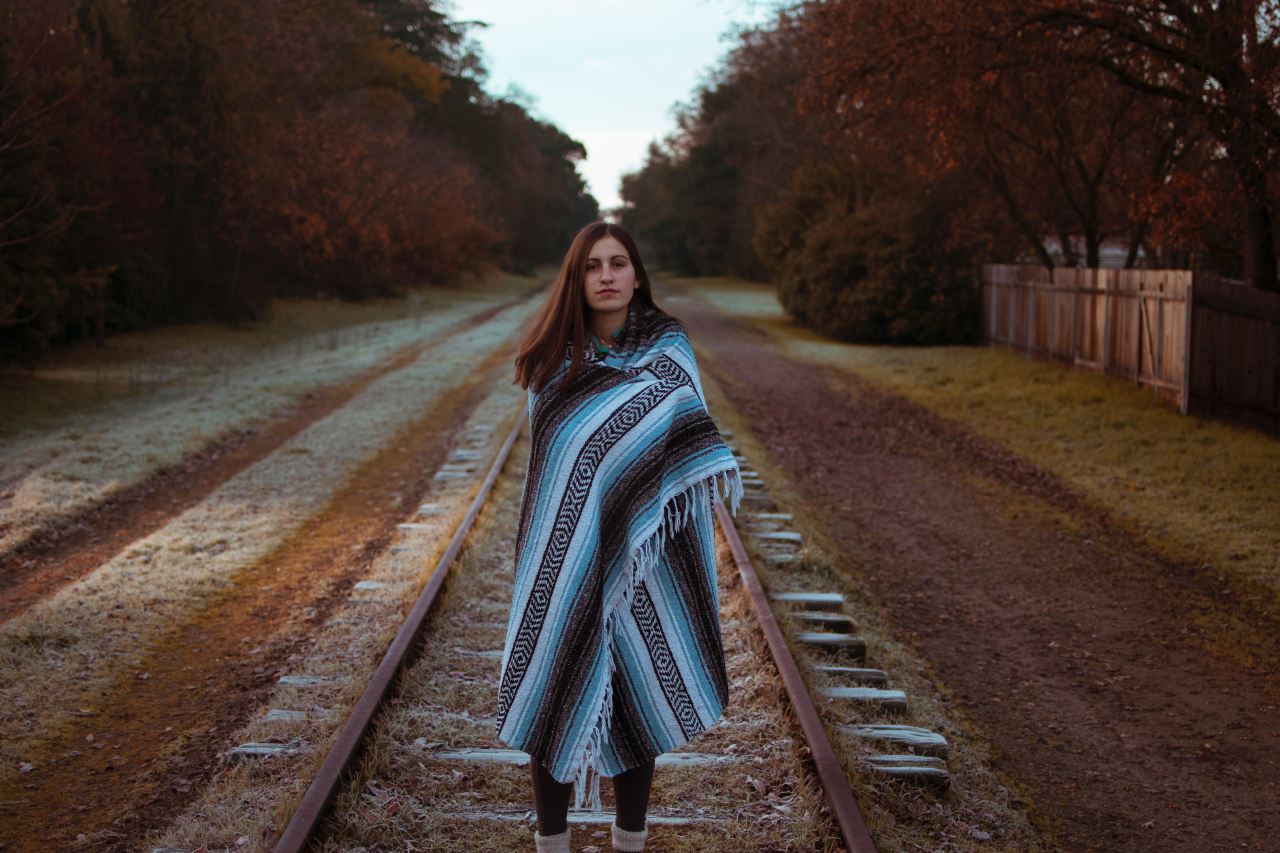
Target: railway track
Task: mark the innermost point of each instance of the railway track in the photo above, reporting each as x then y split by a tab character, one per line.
116	720
415	766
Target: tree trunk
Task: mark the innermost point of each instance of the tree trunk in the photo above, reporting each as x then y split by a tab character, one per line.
1070	258
1135	244
1259	248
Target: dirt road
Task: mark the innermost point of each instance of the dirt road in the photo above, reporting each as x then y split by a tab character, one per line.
1077	651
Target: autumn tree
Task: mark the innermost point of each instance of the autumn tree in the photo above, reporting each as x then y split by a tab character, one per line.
1062	150
167	159
72	226
735	148
1218	60
758	182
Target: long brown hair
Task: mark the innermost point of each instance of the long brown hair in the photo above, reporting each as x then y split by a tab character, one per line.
563	318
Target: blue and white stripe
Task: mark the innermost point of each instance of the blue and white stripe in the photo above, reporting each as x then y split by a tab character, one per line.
613	652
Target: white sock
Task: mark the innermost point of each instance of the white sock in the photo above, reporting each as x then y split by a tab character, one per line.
627	841
552	843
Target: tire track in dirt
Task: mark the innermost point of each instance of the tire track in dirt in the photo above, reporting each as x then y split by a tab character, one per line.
1084	657
164	726
47	562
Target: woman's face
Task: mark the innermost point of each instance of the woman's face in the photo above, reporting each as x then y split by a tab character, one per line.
611	279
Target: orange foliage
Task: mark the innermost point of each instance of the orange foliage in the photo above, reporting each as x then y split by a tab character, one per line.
1065	148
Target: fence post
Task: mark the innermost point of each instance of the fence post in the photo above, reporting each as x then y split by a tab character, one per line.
1011	294
1075	322
1184	404
989	282
1055	334
1137	365
1031	318
1106	319
1158	367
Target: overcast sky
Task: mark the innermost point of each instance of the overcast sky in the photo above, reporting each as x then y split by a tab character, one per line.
607	72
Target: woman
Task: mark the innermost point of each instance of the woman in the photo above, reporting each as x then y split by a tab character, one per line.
613	652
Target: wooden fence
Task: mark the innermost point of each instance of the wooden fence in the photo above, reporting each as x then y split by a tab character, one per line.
1235	352
1210	345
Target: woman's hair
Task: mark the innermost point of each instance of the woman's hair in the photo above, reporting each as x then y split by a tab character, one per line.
563	318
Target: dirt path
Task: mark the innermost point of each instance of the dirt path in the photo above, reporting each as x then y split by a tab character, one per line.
158	736
77	546
1081	654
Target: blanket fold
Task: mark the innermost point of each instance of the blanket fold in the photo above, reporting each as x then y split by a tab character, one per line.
613	653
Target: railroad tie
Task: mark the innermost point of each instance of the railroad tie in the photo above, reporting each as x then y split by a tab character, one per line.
284	715
758	522
920	769
814	600
862	675
785	538
922	741
575	817
460	716
894	701
255	749
846	644
305	680
831	621
517	758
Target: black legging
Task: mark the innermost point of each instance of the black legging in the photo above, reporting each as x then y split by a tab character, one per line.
551	798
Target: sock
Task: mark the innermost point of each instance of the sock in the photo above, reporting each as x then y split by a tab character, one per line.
629	842
552	843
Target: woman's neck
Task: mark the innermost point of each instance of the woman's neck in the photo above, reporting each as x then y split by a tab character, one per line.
604	325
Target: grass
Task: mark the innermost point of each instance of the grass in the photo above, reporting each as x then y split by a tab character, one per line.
254	799
1202	491
64	652
82	377
87	423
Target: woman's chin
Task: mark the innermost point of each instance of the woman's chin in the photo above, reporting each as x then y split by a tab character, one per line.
615	303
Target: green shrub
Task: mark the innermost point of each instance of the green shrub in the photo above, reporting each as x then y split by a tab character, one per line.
886	270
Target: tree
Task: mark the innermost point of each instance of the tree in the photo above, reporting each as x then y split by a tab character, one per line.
1063	150
1219	60
177	159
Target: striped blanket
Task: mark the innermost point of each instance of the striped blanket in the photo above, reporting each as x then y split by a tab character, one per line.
613	652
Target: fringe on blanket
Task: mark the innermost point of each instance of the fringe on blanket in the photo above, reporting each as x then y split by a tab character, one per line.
724	485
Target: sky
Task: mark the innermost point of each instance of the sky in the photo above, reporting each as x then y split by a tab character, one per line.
606	72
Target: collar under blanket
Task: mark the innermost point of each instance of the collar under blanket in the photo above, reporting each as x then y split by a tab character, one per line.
613	653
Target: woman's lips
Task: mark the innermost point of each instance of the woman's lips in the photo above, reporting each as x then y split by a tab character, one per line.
605	292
